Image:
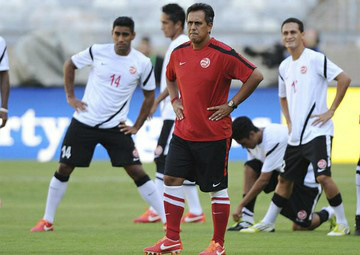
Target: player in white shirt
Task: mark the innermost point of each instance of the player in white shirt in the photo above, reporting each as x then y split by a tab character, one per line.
266	148
116	70
4	82
172	20
303	83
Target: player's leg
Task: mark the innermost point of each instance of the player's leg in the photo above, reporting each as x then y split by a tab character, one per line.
357	216
318	151
77	150
179	165
294	167
212	176
195	213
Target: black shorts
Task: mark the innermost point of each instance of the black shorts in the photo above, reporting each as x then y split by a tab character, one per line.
163	142
316	152
205	163
256	165
80	142
301	204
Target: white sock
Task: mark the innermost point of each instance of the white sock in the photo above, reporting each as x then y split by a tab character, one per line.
55	194
150	194
160	188
330	211
247	215
192	198
340	214
271	214
357	178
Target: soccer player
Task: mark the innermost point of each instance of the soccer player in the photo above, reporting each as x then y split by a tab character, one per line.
4	82
172	20
303	83
201	72
266	148
117	69
357	216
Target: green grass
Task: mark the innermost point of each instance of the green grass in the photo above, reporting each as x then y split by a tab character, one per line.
95	216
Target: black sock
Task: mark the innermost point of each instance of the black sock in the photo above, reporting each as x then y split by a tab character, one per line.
251	205
324	216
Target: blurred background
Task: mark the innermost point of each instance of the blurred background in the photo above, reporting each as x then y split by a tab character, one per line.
42	34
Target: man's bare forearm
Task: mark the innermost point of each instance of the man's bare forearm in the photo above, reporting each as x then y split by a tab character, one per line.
5	89
69	78
145	108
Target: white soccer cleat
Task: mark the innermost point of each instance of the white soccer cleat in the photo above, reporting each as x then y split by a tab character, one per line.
339	230
259	227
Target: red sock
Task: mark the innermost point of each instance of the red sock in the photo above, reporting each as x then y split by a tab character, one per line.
220	215
174	209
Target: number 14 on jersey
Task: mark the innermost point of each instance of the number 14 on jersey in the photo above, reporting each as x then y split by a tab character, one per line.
115	81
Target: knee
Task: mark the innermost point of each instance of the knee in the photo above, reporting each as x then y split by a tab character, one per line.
65	170
173	181
323	180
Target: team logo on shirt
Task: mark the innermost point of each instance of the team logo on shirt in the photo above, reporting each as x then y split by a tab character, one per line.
322	164
303	69
132	70
302	214
205	63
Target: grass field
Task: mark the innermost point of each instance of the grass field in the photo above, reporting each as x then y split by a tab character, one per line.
95	216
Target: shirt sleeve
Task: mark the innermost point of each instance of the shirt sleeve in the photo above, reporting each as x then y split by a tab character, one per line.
282	87
326	68
4	61
83	58
147	79
170	69
238	67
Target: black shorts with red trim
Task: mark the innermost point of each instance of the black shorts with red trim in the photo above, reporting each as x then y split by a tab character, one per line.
301	204
316	152
80	142
205	163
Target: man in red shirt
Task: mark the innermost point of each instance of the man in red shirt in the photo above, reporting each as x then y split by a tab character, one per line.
200	71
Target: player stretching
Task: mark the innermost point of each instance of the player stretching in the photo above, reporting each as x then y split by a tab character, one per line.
117	69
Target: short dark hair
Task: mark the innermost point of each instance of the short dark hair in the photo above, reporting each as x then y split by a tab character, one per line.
207	9
241	128
175	13
124	22
294	20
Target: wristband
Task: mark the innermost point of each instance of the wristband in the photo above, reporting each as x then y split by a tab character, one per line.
172	100
4	110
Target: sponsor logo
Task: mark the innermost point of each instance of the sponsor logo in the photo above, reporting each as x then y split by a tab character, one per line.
321	164
303	69
153	218
182	63
165	247
220	253
205	63
282	168
215	185
217	213
46	228
302	214
132	70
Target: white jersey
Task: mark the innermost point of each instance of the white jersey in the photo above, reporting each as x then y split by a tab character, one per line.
304	83
167	112
111	83
271	152
4	61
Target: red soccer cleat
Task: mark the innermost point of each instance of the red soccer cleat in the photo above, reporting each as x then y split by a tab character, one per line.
214	249
148	217
43	226
164	246
192	218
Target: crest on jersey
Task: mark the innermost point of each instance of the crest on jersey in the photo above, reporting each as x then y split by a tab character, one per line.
303	69
132	70
205	63
302	214
322	164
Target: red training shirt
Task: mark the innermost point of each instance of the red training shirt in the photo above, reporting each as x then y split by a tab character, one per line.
203	78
